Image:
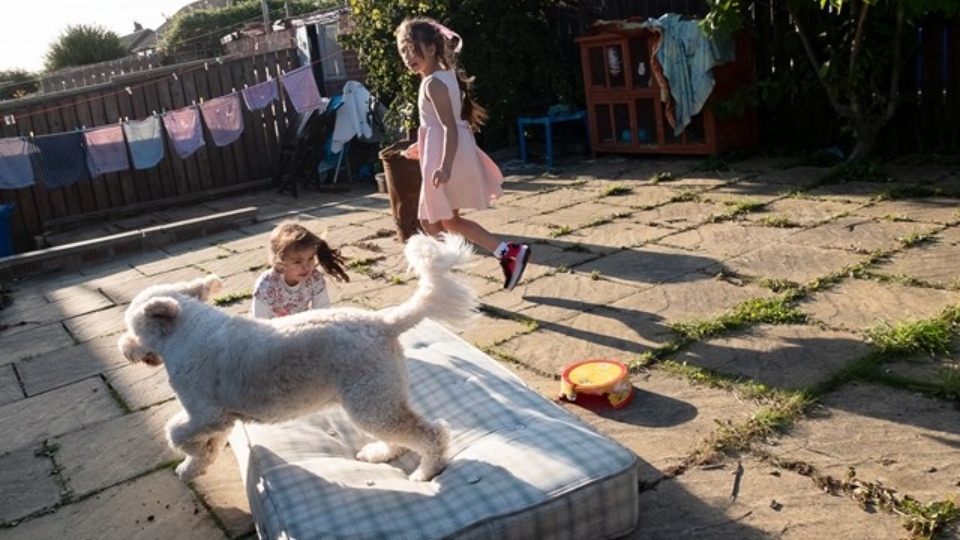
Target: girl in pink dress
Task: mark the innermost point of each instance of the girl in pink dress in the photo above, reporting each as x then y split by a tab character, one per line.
456	173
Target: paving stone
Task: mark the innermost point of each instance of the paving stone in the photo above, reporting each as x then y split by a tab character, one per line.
857	304
123	291
30	421
154	507
697	504
202	242
933	262
680	215
78	300
109	452
27	312
10	390
746	191
651	264
703	299
140	385
491	331
667	420
909	170
93	325
576	216
796	177
794	357
561	296
905	441
552	200
699	181
859	234
940	210
802	212
862	193
929	369
33	341
723	240
641	195
222	489
26	484
621	233
799	264
70	364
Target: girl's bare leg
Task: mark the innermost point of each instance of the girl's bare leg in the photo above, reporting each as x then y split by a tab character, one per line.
433	229
472	231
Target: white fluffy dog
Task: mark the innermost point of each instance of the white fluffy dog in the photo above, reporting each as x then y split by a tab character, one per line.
225	368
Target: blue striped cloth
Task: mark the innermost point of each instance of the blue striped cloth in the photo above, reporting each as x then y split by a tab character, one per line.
60	159
521	468
15	169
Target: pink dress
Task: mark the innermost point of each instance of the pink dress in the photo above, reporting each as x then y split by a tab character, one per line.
474	179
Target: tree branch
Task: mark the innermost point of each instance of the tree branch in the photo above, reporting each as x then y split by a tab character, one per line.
892	96
832	93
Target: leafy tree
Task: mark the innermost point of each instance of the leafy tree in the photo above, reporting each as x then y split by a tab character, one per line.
856	50
17	83
81	45
201	29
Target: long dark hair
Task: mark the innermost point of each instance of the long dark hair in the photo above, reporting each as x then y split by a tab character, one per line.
291	236
422	31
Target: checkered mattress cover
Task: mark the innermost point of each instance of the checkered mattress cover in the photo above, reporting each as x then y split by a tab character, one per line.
521	468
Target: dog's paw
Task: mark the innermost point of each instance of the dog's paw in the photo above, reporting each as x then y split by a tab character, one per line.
189	469
422	474
378	452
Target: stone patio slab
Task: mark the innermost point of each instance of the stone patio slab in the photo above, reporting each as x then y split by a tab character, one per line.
933	262
9	385
859	234
621	233
236	264
680	215
109	452
641	195
140	385
78	300
70	364
652	264
793	357
704	299
747	190
802	212
896	437
795	263
939	210
155	507
793	177
697	505
552	200
576	216
862	193
93	325
28	422
33	341
857	304
122	291
26	484
726	239
222	490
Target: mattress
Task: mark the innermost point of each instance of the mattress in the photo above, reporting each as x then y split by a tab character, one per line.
521	467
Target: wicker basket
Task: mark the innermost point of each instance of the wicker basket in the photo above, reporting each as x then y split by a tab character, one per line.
403	186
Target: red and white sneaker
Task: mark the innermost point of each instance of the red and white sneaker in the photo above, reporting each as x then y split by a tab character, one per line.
514	262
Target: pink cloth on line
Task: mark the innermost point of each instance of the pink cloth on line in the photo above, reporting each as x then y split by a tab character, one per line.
260	95
106	150
184	129
223	118
302	88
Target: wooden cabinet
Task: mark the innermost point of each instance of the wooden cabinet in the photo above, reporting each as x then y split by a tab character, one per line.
625	109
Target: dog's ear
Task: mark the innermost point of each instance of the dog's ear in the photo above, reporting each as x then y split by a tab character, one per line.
203	288
162	307
130	348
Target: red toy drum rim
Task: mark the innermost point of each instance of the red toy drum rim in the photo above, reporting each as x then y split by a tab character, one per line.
586	387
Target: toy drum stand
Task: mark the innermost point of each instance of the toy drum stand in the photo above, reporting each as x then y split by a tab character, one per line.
598	377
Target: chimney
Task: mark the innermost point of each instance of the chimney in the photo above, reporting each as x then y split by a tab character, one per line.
137	26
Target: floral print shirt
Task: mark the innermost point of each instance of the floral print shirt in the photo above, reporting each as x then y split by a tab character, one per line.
273	298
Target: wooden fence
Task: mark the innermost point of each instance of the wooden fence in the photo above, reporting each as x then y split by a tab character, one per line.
210	171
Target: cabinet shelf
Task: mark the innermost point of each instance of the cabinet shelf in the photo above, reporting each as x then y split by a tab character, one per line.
624	105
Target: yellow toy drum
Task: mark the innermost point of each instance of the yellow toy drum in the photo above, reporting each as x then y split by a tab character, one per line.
608	378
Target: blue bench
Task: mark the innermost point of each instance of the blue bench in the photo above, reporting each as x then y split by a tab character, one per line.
547	122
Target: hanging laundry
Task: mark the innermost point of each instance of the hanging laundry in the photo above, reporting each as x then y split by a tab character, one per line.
106	150
223	118
60	159
302	88
15	169
353	116
260	95
144	138
184	129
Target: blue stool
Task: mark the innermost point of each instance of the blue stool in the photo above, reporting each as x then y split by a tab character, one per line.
547	122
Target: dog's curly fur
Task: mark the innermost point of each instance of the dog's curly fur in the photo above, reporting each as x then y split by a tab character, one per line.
225	368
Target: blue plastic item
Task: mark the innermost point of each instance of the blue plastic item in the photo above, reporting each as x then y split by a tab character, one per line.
6	241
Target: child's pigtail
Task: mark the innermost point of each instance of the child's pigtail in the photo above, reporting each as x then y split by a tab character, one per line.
332	262
470	111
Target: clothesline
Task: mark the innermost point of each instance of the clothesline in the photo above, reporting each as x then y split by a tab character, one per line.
62	159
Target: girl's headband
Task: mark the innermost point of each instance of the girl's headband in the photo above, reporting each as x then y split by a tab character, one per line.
449	34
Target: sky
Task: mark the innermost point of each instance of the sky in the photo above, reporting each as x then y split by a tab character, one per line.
33	25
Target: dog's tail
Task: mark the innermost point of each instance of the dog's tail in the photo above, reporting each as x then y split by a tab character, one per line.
440	295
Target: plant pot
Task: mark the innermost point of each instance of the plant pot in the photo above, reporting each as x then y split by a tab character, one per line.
403	186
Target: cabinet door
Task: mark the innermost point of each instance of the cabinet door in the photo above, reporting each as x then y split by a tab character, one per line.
639	63
613	127
645	110
607	70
